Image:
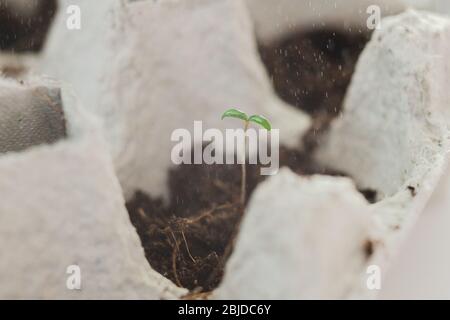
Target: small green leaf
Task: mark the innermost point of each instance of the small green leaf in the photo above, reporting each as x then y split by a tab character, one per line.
235	113
262	121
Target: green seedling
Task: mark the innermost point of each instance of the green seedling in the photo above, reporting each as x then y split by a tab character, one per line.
260	120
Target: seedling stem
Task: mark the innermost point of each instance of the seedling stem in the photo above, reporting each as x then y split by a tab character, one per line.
262	121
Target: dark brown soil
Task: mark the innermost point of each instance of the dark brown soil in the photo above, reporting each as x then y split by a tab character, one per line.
25	34
312	72
189	240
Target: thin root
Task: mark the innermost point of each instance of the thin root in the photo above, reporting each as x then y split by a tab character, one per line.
187	247
174	259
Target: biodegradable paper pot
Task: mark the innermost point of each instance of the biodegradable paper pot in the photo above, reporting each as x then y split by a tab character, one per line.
391	137
62	204
302	238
